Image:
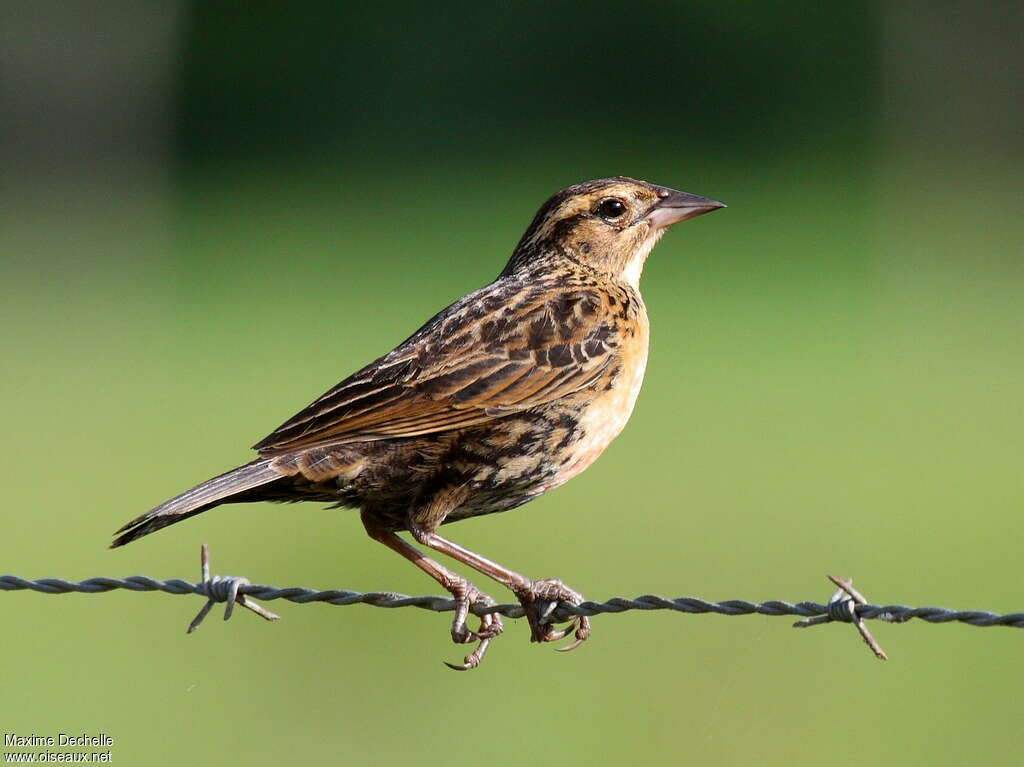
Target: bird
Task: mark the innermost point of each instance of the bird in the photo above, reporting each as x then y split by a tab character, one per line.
502	396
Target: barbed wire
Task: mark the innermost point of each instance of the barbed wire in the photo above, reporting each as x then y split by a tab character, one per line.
846	605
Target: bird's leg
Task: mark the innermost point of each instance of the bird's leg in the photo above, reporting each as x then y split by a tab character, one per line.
465	593
538	598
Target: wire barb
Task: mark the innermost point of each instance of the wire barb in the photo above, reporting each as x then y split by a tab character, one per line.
842	607
223	588
847	605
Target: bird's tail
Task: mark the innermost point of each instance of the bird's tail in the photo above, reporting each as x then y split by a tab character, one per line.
223	489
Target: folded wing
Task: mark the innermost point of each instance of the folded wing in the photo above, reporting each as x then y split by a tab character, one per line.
504	348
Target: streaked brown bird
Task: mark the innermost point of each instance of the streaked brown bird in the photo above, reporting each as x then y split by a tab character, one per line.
506	394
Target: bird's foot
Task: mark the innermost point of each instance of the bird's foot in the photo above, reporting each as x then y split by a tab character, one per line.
539	600
466	595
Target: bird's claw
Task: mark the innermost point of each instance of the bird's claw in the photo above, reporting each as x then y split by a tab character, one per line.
576	643
466	595
473	659
539	601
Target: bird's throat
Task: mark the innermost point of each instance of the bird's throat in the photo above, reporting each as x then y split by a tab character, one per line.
635	265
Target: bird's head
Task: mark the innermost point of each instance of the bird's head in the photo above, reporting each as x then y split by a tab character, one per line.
608	225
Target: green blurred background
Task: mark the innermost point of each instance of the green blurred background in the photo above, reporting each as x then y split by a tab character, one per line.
211	212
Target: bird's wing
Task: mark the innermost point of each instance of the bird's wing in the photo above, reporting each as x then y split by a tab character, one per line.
506	347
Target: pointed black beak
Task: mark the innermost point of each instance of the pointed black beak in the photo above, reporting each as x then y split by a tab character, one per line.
674	207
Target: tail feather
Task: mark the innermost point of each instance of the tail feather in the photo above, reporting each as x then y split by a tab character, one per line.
213	492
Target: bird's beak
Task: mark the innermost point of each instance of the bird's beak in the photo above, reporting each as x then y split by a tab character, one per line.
674	207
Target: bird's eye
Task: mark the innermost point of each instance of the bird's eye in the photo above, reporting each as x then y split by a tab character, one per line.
611	209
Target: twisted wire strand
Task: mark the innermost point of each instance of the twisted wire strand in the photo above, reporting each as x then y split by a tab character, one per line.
219	588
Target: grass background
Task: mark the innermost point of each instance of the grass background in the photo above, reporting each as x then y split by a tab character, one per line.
834	386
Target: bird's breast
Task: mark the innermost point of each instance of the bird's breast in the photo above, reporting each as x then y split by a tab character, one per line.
605	414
